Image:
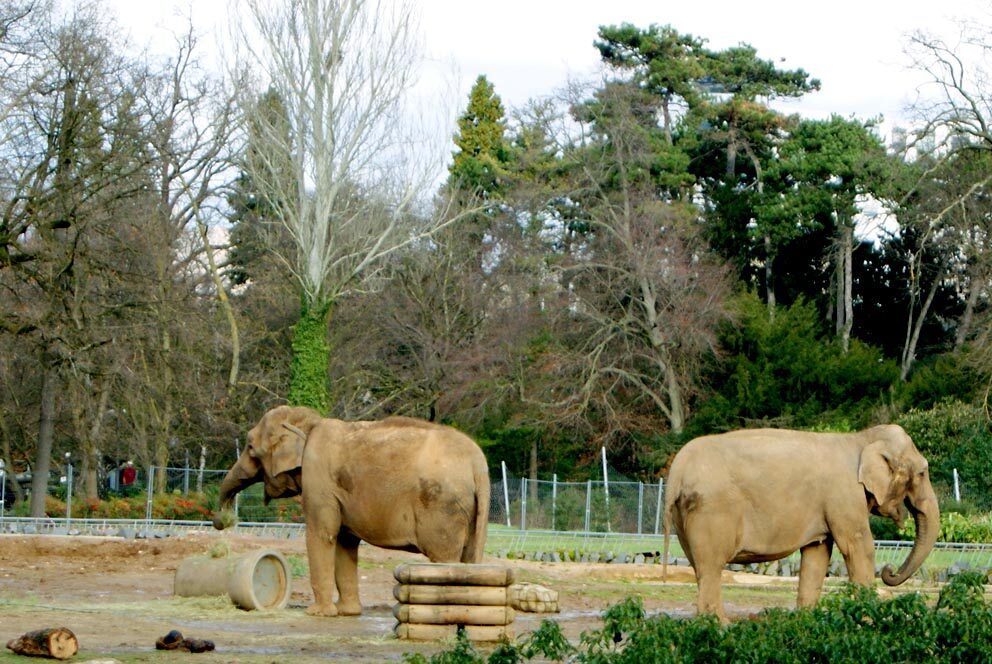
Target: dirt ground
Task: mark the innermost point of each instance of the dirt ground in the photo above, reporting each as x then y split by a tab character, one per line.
116	596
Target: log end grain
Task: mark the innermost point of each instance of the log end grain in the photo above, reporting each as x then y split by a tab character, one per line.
51	642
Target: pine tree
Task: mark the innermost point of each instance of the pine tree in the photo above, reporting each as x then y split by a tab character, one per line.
480	164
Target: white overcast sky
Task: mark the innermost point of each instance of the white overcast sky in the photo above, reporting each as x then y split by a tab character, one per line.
528	48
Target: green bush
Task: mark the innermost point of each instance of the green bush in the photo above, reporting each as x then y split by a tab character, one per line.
953	435
853	625
785	371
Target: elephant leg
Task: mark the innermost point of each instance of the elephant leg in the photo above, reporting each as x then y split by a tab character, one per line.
346	574
859	556
710	541
812	571
322	532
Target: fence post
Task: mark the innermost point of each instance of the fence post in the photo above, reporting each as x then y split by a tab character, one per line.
203	464
554	499
186	476
957	487
657	511
149	491
506	495
640	505
523	503
68	490
588	502
606	490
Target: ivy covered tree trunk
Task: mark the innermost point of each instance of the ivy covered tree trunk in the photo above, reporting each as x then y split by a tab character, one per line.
311	357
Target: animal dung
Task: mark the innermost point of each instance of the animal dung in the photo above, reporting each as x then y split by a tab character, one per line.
256	580
439	600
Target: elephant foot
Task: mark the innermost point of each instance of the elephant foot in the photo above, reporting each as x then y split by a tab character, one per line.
349	608
322	610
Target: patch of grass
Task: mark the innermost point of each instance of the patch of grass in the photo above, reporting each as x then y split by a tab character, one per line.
298	566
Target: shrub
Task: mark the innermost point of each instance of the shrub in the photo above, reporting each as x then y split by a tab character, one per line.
953	435
786	372
853	625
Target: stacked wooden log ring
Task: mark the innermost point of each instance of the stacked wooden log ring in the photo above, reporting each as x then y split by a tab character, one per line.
439	600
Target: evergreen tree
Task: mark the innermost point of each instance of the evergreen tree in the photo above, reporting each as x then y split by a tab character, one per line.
480	163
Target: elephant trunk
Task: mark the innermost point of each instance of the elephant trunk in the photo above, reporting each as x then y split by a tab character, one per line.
926	515
240	476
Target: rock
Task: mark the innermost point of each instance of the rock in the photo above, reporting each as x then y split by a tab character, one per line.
127	533
619	559
555	557
29	530
639	559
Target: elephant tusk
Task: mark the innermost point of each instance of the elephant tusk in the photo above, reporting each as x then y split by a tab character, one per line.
295	429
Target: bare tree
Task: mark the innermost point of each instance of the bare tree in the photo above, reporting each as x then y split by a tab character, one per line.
643	294
339	168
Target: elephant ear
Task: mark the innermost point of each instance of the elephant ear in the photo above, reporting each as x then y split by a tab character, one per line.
286	452
876	473
286	433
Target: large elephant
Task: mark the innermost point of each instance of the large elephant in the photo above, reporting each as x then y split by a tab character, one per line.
399	483
759	495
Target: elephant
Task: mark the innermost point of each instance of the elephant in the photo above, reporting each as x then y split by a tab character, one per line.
399	483
761	494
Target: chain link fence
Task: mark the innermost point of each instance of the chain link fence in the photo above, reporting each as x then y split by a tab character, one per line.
591	506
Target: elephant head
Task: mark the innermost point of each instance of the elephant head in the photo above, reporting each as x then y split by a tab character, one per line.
895	477
274	454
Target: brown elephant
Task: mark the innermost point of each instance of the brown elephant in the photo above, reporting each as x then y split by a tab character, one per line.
399	483
759	495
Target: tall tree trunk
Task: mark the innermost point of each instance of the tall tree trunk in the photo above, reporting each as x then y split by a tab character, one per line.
909	352
8	460
964	325
311	358
225	304
667	117
91	455
769	277
845	284
677	408
46	433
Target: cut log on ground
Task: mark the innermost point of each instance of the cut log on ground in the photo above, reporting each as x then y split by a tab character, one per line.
52	642
440	614
416	632
427	594
532	598
454	574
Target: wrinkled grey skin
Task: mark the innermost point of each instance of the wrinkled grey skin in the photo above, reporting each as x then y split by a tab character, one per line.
399	483
759	495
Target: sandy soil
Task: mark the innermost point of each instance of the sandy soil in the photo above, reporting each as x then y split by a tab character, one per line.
116	595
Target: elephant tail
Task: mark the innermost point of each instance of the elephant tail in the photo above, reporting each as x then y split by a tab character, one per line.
477	534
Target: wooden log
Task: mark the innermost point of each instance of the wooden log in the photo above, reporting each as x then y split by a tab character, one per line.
475	595
532	598
454	574
417	632
453	614
51	642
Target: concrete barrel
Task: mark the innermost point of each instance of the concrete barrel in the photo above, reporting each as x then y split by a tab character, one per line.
255	580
